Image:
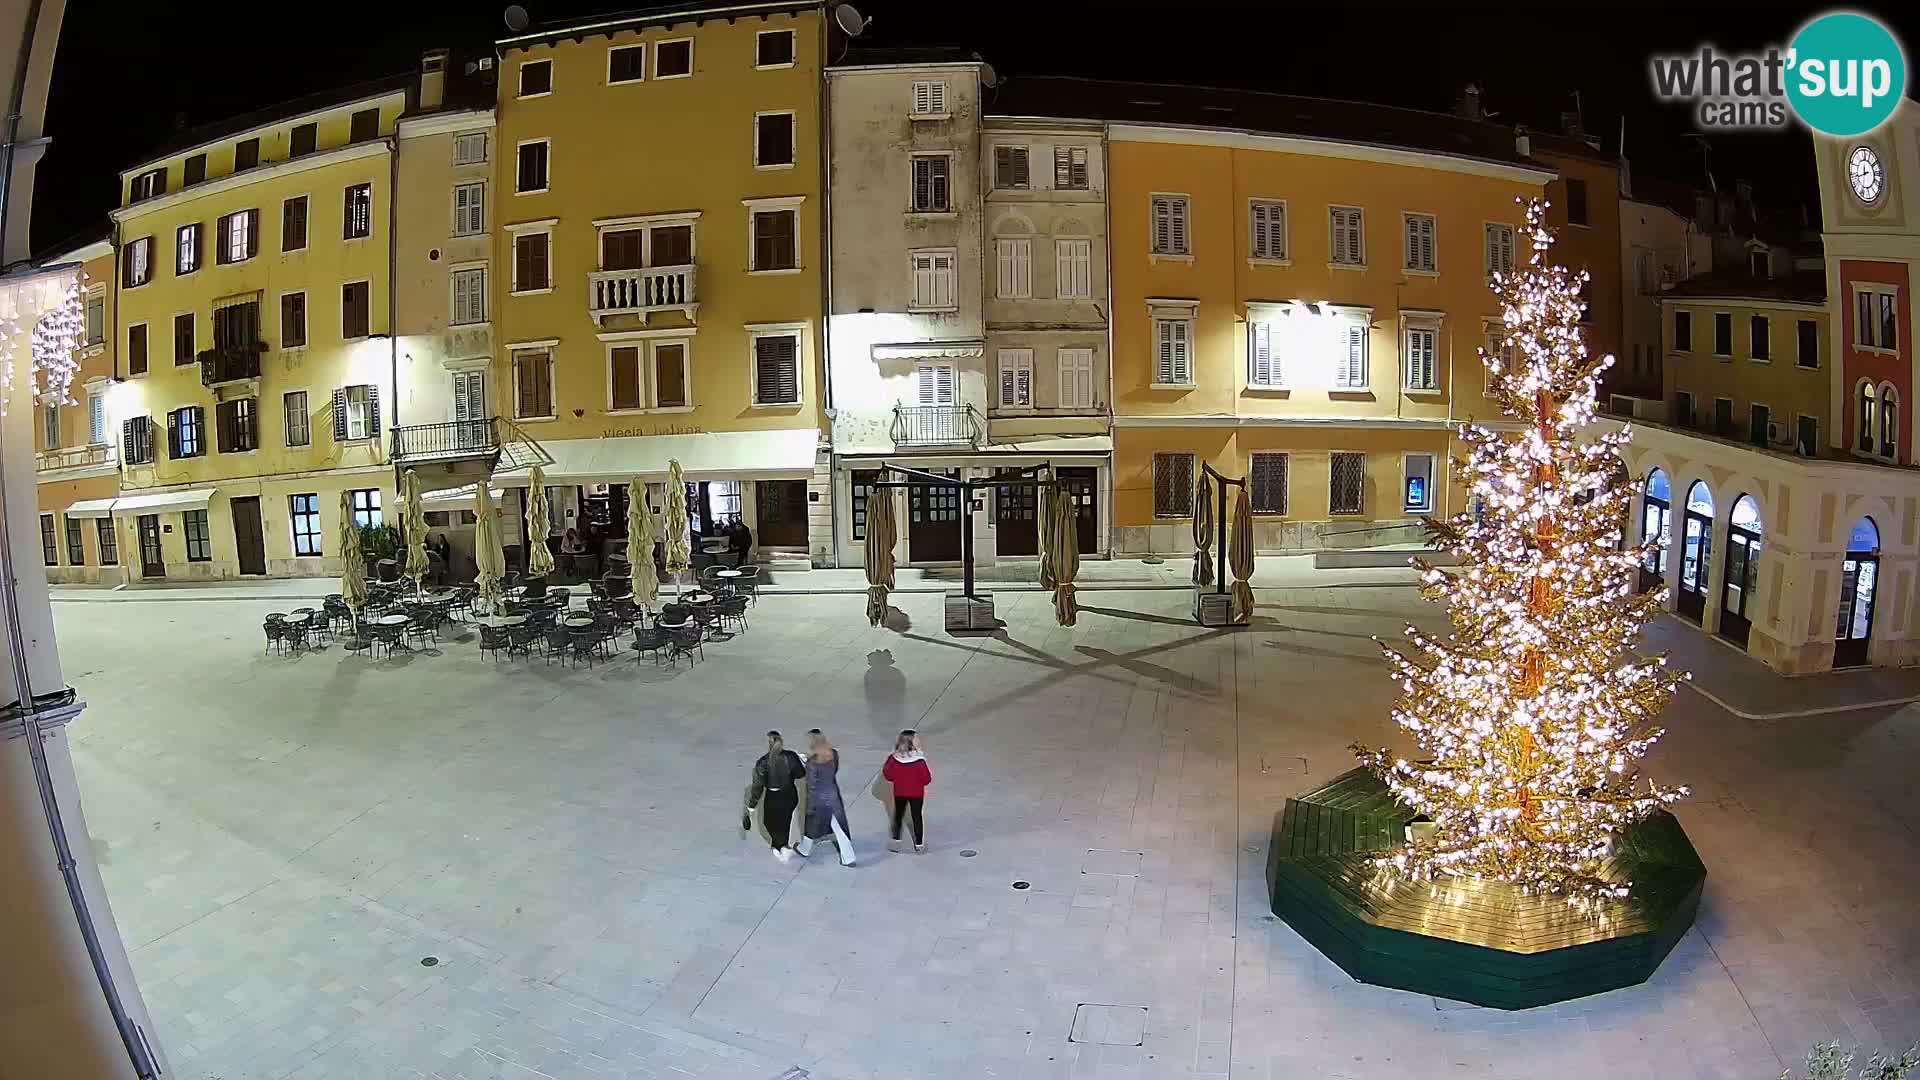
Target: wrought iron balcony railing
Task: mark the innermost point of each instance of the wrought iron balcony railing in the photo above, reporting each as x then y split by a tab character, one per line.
230	363
455	438
937	425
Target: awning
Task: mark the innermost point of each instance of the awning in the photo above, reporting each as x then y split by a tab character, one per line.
1054	444
457	498
725	455
915	350
90	508
189	499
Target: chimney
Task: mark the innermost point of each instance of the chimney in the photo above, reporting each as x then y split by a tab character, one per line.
1571	125
1467	105
433	80
1522	145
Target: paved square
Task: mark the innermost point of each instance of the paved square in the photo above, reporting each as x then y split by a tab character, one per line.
285	839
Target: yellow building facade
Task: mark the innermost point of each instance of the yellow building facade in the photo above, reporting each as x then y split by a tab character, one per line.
1748	359
77	453
1302	313
658	294
254	341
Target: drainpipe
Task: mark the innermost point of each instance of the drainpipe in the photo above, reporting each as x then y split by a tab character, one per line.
826	291
393	276
1106	243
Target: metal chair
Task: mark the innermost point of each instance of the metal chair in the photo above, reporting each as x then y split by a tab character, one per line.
359	636
557	640
492	640
520	639
685	640
393	637
584	645
420	624
275	627
649	639
731	609
748	583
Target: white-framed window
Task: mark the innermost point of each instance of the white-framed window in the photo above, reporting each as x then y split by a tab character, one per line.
773	49
1073	268
1170	225
1267	230
1076	377
1497	344
673	59
357	212
929	98
469	295
536	78
470	148
1347	228
1173	351
1876	317
934	384
648	374
470	208
96	417
933	280
778	363
359	402
1422	242
932	187
239	236
773	235
533	383
1499	248
1070	168
1416	484
773	140
1346	483
1266	331
671	384
96	317
1419	351
138	263
366	507
531	165
1014	257
626	63
1016	379
1267	481
1173	483
1011	168
1351	349
532	270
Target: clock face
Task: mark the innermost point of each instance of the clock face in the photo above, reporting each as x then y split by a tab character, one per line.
1866	174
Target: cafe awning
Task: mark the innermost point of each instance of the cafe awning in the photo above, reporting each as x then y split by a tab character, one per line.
165	501
461	498
90	508
786	454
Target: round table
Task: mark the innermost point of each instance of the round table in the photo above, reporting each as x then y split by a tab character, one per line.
503	620
577	622
440	594
698	598
730	575
392	620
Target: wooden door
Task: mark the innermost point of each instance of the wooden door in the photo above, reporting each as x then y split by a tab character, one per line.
1016	517
780	508
1736	592
1079	484
248	539
1859	574
933	521
151	562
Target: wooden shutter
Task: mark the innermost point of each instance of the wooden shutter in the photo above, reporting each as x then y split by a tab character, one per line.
626	376
340	415
1062	167
1260	355
922	183
923	375
253	232
1162	225
777	371
373	410
173	434
1016	378
128	451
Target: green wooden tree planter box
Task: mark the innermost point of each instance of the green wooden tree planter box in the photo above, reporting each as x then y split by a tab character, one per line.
1477	941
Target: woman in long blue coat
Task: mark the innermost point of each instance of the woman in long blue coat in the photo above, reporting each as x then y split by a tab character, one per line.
826	811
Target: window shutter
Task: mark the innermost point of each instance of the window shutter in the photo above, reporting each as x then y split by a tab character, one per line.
926	388
1261	350
1023	267
223	427
922	97
373	410
96	418
1062	167
1163	363
1182	353
937	97
128	452
777	374
944	375
1023	381
1003	253
1427	260
1179	219
1356	366
173	434
1162	226
922	183
253	233
340	415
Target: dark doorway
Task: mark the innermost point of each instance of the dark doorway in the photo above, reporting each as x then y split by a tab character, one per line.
1696	552
1016	517
933	520
1859	579
248	540
780	507
151	564
1079	485
1743	570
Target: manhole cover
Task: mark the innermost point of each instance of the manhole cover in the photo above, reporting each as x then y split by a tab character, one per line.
429	961
968	853
1023	884
1109	1025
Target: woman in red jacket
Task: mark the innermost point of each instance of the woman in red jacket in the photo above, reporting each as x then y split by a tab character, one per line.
906	769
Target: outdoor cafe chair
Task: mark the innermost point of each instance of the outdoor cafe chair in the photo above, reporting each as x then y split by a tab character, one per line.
492	640
419	626
584	645
390	636
275	627
748	583
685	640
520	639
649	639
731	609
557	641
359	636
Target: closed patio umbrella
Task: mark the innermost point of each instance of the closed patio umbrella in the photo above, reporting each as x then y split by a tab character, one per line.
1064	553
679	559
353	563
1202	530
539	555
640	540
879	552
1044	530
415	513
488	557
1240	556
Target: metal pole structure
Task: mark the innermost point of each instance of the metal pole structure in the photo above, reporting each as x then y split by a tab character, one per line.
1221	484
1027	477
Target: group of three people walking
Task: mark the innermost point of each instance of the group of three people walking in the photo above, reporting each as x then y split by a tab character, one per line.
775	791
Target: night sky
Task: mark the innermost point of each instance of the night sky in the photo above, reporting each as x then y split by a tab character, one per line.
128	76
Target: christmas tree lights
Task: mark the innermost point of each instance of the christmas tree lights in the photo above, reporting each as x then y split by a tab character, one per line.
1533	712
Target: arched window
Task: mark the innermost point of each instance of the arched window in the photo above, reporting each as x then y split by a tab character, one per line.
1656	527
1889	419
1743	570
1863	417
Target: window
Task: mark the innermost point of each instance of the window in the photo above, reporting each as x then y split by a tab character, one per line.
1070	168
1808	340
246	154
1863	416
1417	493
929	98
773	49
239	236
1076	378
1876	318
137	269
776	369
306	138
366	507
1722	334
1170	225
186	432
199	538
1683	331
49	551
930	189
148	185
1073	269
294	408
1010	167
1173	352
1264	370
355	311
532	383
109	543
1267	229
76	545
470	208
237	425
1346	483
1016	379
670	375
358	220
623	378
1758	264
1682	409
1347	225
137	349
860	484
1499	249
772	140
1723	417
194	171
1420	347
470	149
293	320
1759	340
186	249
356	413
1173	485
934	384
365	126
304	512
775	239
530	174
1759	418
50	417
1889	419
673	59
1576	201
532	261
1420	243
1015	259
536	78
933	281
1807	439
469	296
97	417
183	350
1267	482
626	63
136	440
1351	369
1497	344
96	319
236	325
293	223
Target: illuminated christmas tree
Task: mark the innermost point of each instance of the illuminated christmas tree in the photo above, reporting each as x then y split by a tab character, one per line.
1533	713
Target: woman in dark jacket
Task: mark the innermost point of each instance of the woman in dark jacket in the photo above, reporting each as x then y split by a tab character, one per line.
776	777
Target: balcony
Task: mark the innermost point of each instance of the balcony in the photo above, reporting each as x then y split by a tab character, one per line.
937	425
641	291
100	456
453	439
231	363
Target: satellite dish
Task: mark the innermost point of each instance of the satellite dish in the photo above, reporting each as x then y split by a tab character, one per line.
988	77
516	17
849	20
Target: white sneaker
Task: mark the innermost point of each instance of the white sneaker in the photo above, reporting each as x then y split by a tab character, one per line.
783	854
894	844
919	849
805	847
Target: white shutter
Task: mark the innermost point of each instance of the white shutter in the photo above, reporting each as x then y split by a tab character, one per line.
1162	226
1076	378
1016	378
97	418
1163	357
926	390
943	384
1179	219
1260	367
1073	269
1015	268
1353	372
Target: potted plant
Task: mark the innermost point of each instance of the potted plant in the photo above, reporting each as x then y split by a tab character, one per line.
381	545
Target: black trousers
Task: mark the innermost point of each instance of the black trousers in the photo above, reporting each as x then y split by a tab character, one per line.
900	808
776	812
